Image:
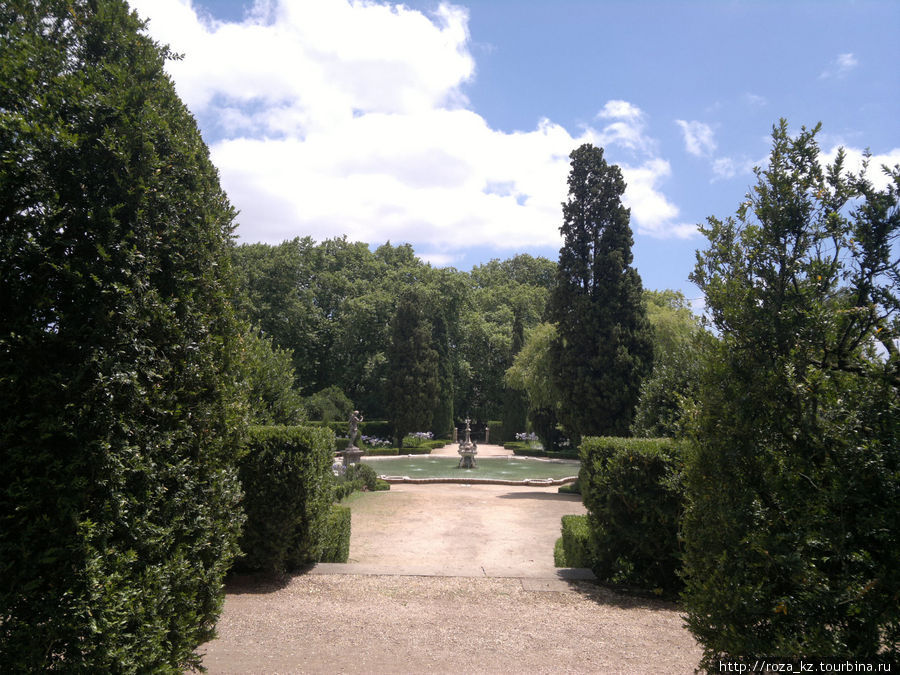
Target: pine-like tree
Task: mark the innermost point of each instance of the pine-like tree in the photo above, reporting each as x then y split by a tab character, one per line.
604	344
412	385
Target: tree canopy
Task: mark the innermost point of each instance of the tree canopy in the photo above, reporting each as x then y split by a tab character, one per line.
792	538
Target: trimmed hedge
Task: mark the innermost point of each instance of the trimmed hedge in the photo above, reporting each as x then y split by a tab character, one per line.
523	449
287	481
381	451
496	433
336	539
633	490
576	542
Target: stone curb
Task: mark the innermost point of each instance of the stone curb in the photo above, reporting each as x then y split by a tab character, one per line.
364	569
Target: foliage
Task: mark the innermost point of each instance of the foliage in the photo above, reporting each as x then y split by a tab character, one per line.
286	476
559	553
121	416
269	376
532	372
515	402
412	388
678	341
442	415
793	530
356	478
634	494
329	404
336	540
603	349
570	489
576	542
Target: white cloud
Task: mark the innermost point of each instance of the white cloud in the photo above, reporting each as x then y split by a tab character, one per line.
840	66
651	212
347	117
755	100
699	138
853	162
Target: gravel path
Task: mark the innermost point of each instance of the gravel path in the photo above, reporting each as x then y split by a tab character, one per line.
448	579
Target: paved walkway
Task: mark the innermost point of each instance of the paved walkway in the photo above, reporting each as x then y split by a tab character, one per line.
448	579
459	530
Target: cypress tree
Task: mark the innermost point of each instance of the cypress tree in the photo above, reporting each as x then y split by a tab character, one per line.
604	347
412	385
442	416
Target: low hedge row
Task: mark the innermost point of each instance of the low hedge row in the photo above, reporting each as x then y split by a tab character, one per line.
336	539
524	449
286	476
633	490
576	542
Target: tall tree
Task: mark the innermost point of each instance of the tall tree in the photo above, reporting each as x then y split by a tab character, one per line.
792	535
121	421
413	377
604	345
532	373
515	401
671	387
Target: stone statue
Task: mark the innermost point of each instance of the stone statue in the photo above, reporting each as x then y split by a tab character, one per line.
353	432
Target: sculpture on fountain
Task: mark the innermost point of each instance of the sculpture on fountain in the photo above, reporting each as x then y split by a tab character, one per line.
352	453
467	450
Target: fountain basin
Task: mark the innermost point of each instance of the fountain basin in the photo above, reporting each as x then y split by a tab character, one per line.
503	470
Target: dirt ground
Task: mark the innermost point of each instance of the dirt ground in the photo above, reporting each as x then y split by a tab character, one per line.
448	579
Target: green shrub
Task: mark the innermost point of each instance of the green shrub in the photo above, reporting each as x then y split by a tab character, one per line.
376	428
559	554
570	489
375	452
496	433
576	541
632	488
119	352
358	477
335	545
286	476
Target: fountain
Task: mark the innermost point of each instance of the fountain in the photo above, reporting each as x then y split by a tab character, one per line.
467	450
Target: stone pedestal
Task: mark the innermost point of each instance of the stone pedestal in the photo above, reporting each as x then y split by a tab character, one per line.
351	456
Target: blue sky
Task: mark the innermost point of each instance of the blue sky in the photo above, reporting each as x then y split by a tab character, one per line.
448	125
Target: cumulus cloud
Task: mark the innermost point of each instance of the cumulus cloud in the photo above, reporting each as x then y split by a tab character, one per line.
840	66
855	157
699	138
333	117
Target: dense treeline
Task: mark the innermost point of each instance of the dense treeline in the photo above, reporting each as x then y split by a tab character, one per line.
333	306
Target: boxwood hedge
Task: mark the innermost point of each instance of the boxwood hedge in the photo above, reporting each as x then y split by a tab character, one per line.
633	490
287	481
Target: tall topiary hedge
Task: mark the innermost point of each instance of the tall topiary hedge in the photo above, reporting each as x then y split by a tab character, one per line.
632	488
287	481
119	427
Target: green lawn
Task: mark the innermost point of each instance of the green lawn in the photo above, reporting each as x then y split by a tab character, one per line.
515	468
